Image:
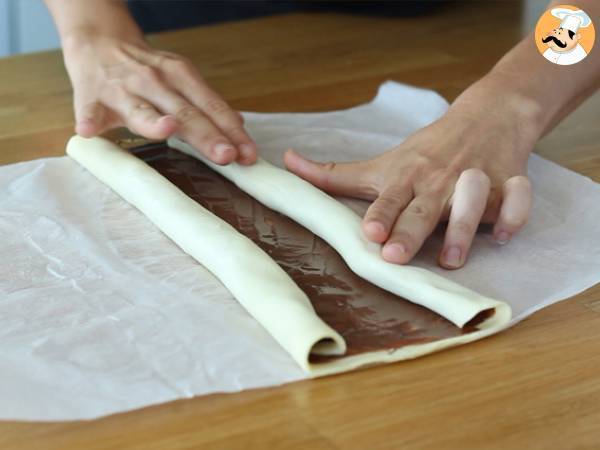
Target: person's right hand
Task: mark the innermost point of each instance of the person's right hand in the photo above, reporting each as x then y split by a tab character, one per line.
155	94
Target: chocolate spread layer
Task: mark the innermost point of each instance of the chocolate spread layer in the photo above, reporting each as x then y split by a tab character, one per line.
368	317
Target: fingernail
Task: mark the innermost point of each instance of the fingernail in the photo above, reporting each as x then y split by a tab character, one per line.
222	148
394	252
452	256
502	238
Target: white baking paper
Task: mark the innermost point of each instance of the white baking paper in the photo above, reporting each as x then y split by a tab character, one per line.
100	313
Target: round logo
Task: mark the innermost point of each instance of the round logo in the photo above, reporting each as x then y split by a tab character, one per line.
565	35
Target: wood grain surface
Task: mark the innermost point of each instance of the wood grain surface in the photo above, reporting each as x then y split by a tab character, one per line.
536	386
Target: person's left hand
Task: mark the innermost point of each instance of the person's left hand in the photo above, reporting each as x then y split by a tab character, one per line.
469	167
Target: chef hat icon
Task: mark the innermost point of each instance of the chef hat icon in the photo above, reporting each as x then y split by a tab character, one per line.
571	20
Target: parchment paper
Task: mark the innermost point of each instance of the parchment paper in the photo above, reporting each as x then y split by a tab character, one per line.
101	313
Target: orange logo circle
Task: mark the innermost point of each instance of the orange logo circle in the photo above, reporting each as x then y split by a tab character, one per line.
565	35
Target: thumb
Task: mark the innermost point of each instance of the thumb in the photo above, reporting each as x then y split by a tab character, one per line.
350	179
91	119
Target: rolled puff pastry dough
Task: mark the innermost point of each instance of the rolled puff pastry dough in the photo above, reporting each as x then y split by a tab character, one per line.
254	279
339	226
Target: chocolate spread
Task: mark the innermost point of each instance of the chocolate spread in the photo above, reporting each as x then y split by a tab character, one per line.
368	317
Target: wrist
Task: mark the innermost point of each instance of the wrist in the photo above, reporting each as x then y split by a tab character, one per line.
85	22
85	34
493	102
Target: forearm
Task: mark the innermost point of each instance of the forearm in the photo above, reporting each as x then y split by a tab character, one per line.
77	18
538	92
555	90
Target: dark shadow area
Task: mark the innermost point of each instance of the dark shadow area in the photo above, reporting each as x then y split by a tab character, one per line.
162	15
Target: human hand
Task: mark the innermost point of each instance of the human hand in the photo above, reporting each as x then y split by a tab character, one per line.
469	167
124	82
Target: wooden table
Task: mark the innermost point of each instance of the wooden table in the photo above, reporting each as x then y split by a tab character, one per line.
536	386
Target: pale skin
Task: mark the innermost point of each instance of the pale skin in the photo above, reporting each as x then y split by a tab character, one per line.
119	80
468	167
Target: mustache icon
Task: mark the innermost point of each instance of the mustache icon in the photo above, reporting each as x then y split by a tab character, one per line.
556	41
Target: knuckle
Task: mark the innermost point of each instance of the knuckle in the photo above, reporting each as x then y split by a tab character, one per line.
477	176
148	73
142	110
420	211
385	203
234	119
378	213
230	122
389	203
514	223
168	61
464	228
160	60
421	162
519	181
441	185
187	113
180	63
215	106
182	67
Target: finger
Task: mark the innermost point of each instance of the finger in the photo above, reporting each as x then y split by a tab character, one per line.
181	75
225	118
383	212
516	205
193	125
90	119
248	153
413	226
468	205
191	85
229	121
349	179
143	119
241	116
